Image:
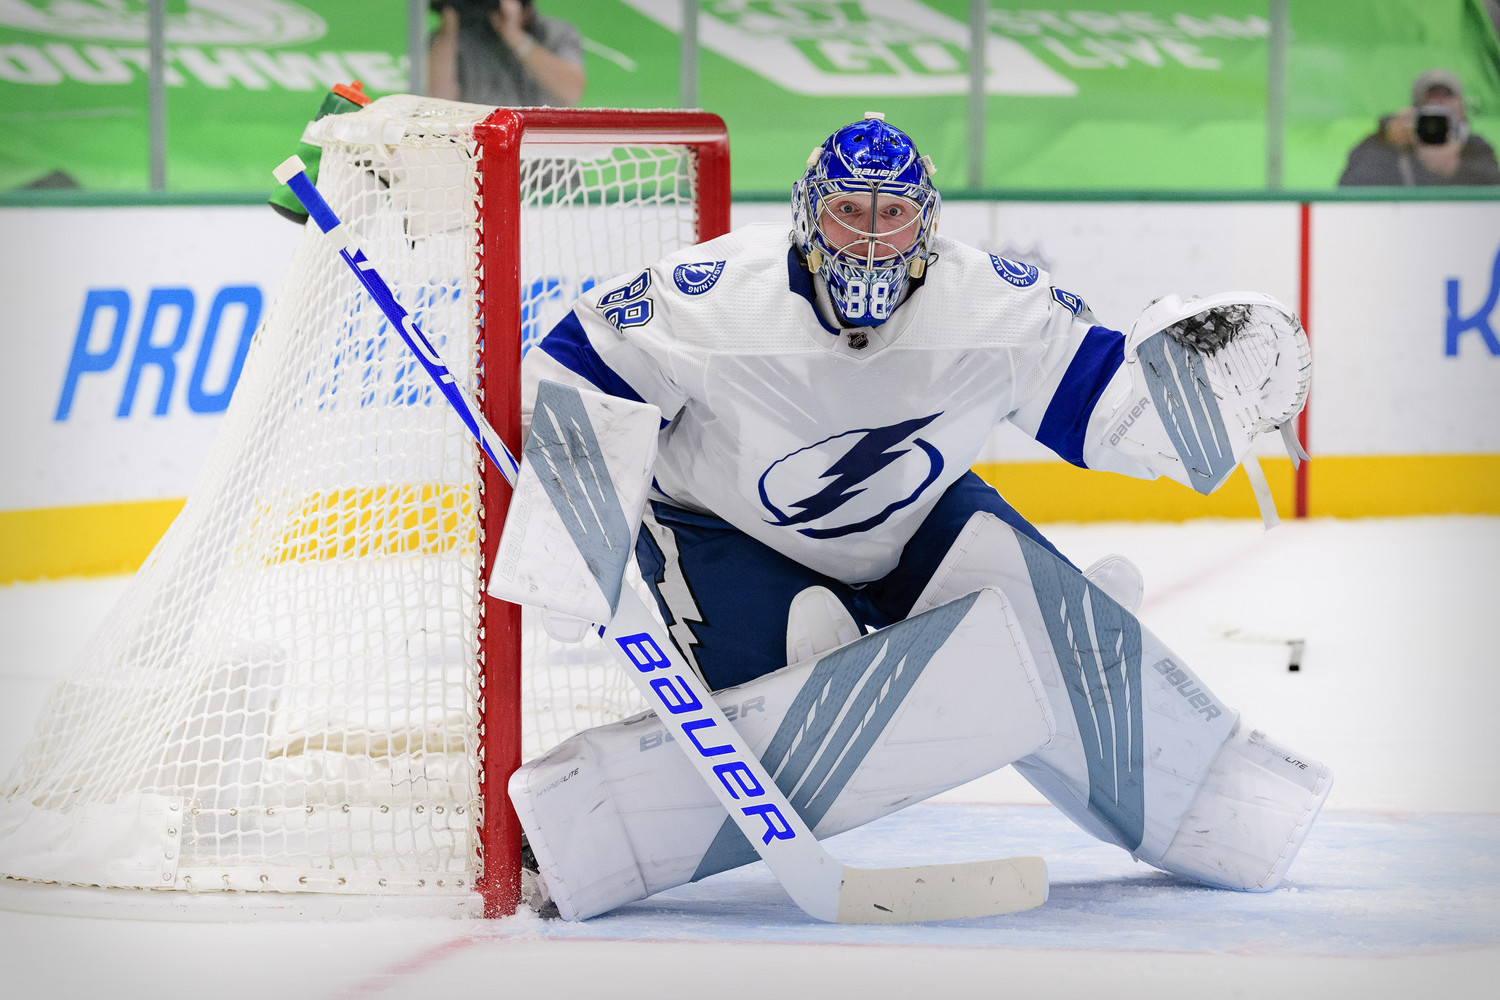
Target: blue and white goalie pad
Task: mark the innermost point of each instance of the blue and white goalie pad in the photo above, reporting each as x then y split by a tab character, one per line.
571	527
615	813
1145	756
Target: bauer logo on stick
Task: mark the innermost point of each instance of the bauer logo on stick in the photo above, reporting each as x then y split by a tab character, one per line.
677	696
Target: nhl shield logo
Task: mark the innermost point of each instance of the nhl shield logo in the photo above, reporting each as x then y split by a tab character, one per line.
1018	274
695	279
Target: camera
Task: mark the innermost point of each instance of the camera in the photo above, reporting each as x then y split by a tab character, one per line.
1435	124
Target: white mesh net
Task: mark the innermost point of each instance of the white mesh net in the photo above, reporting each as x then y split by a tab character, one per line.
285	698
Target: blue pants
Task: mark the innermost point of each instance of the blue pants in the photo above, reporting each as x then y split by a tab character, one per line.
741	589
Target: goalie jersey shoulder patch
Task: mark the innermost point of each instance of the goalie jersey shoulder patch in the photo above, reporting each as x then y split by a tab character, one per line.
1018	274
695	279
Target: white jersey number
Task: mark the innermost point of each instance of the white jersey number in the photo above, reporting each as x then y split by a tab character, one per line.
877	296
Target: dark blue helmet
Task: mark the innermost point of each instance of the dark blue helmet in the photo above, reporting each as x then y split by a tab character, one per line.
864	216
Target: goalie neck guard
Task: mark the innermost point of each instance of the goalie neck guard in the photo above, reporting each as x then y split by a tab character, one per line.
864	215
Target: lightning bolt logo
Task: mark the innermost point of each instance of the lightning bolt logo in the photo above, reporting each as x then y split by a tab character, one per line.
695	279
873	449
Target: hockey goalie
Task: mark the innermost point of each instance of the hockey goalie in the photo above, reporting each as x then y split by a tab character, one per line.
877	621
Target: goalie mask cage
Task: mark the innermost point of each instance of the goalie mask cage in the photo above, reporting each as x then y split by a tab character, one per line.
304	702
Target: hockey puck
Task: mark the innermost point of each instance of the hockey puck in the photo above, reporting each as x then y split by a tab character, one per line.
1294	659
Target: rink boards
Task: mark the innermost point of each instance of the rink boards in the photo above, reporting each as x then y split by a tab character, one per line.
129	324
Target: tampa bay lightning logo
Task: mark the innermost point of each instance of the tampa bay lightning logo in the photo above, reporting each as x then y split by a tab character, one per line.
869	473
1015	272
695	279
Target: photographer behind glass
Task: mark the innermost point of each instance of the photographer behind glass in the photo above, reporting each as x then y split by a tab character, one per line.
1426	144
504	53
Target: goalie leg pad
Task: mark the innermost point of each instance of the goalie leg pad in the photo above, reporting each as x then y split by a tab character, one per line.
1119	578
1252	813
1141	755
817	622
616	813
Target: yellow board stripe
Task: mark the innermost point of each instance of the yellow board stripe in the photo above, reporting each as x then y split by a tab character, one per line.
97	540
1338	486
106	539
1404	485
1056	491
429	519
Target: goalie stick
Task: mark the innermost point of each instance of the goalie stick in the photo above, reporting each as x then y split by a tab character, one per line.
817	882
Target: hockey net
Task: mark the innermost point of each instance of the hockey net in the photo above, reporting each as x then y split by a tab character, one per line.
305	689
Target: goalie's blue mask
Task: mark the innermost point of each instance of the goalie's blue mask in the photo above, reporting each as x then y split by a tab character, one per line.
863	217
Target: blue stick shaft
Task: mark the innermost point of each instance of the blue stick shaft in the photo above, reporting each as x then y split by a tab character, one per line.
364	269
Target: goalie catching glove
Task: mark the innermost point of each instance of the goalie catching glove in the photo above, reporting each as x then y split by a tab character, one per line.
1217	371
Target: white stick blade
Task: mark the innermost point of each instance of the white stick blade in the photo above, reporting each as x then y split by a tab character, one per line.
942	892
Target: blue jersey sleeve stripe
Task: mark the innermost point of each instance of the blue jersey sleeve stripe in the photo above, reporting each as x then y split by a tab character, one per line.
569	346
1065	424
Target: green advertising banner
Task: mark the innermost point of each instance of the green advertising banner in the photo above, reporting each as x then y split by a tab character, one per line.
1131	95
242	79
1139	94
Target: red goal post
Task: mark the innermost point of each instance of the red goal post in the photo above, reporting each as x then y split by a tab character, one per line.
500	138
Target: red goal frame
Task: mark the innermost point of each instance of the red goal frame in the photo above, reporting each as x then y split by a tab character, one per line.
499	138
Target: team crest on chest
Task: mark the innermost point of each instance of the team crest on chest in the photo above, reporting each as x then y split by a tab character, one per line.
863	477
1018	274
695	279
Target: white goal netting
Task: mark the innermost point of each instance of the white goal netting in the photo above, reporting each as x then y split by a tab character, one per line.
287	696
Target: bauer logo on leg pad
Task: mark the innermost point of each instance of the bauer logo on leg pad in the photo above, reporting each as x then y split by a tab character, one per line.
660	736
1187	685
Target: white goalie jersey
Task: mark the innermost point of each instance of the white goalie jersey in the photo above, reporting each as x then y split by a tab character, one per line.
830	445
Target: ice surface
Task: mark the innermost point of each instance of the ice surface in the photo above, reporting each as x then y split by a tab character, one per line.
1396	893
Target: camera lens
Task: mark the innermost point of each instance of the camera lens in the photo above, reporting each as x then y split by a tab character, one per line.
1433	127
